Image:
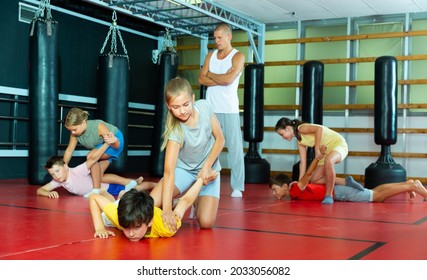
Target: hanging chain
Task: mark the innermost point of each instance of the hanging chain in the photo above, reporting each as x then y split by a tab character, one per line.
39	15
113	32
44	4
167	42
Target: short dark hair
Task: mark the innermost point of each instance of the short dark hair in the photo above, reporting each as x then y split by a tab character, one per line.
135	208
280	180
54	160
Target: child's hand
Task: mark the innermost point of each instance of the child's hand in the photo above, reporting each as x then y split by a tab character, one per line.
169	220
103	233
321	152
323	149
207	175
110	138
53	194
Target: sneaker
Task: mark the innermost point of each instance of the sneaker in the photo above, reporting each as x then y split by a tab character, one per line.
236	193
132	184
92	191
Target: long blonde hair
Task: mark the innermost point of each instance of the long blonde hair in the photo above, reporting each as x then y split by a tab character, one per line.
174	88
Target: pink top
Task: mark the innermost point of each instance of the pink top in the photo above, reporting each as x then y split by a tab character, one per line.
79	181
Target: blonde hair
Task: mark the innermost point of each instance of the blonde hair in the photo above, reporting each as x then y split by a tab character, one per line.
75	116
174	88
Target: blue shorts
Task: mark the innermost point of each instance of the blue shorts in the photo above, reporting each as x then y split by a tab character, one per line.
114	153
184	179
347	193
115	189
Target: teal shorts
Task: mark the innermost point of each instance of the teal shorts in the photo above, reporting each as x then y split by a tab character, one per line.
184	179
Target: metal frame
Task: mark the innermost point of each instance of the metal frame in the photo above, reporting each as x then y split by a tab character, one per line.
192	17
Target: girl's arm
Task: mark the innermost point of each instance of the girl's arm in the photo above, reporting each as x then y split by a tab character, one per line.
206	172
317	130
171	158
70	148
302	150
307	176
305	179
108	137
102	129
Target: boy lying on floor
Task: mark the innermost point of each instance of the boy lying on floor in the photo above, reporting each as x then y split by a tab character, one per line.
77	180
345	189
135	214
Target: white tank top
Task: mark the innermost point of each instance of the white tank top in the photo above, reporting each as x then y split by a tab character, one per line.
224	99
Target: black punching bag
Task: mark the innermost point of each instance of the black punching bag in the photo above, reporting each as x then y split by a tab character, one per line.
203	90
312	92
257	169
312	103
167	70
43	98
113	99
385	169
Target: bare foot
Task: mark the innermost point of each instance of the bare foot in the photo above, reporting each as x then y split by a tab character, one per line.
139	180
412	195
145	186
421	189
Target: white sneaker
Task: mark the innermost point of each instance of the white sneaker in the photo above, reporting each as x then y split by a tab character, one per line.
92	191
236	193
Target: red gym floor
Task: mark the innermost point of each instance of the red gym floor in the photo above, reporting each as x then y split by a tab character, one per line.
255	227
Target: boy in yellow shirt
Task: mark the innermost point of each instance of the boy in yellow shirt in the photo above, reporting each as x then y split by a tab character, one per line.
135	214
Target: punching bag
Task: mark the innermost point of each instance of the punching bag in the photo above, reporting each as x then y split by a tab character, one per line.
385	169
203	90
257	169
113	99
113	89
312	103
312	92
167	69
43	98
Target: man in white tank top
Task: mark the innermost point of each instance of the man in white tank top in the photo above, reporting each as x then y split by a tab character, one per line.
220	73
